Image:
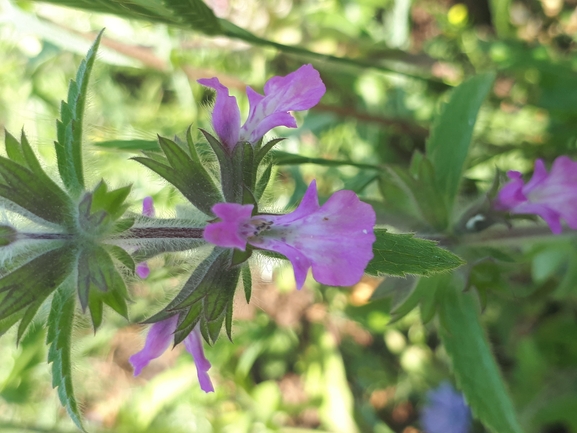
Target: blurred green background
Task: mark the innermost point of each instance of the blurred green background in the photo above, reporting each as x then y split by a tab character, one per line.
322	359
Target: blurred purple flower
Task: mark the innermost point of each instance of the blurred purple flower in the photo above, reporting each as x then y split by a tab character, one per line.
551	196
142	269
335	239
446	411
299	90
157	341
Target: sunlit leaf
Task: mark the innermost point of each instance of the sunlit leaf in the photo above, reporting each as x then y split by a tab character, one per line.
473	363
402	254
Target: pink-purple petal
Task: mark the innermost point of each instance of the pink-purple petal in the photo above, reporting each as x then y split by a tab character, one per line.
193	344
157	341
148	207
142	270
299	90
228	233
552	196
226	114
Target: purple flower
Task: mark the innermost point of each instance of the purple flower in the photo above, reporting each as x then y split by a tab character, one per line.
446	411
299	90
551	196
142	269
335	239
157	341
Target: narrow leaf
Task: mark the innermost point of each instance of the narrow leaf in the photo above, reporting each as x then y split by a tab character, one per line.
59	338
196	14
69	128
474	365
451	133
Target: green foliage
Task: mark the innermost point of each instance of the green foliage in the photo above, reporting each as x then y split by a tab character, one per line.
186	171
448	145
473	363
401	254
205	299
59	338
23	290
100	282
70	126
24	183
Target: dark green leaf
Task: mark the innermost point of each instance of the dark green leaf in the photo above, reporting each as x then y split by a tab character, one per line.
401	254
229	186
98	282
13	149
33	193
69	128
261	153
473	363
448	144
59	338
284	158
246	282
122	256
33	282
204	298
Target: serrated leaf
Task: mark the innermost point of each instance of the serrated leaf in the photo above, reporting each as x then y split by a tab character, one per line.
32	283
196	14
59	338
69	128
402	254
475	368
33	193
448	144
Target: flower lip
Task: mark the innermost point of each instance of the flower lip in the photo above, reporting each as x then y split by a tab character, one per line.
552	196
334	239
300	90
159	338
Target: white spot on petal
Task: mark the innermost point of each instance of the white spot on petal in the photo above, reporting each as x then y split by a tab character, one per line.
365	231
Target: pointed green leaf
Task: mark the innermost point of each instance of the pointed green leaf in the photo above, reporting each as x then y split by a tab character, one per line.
13	149
99	281
196	14
477	372
401	254
227	180
265	149
204	298
33	193
69	128
195	183
263	182
246	282
448	144
34	281
59	338
122	256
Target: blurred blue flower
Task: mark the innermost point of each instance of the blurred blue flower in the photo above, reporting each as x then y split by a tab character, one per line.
445	411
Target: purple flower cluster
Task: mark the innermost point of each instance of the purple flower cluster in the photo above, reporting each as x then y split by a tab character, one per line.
552	196
334	239
298	91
